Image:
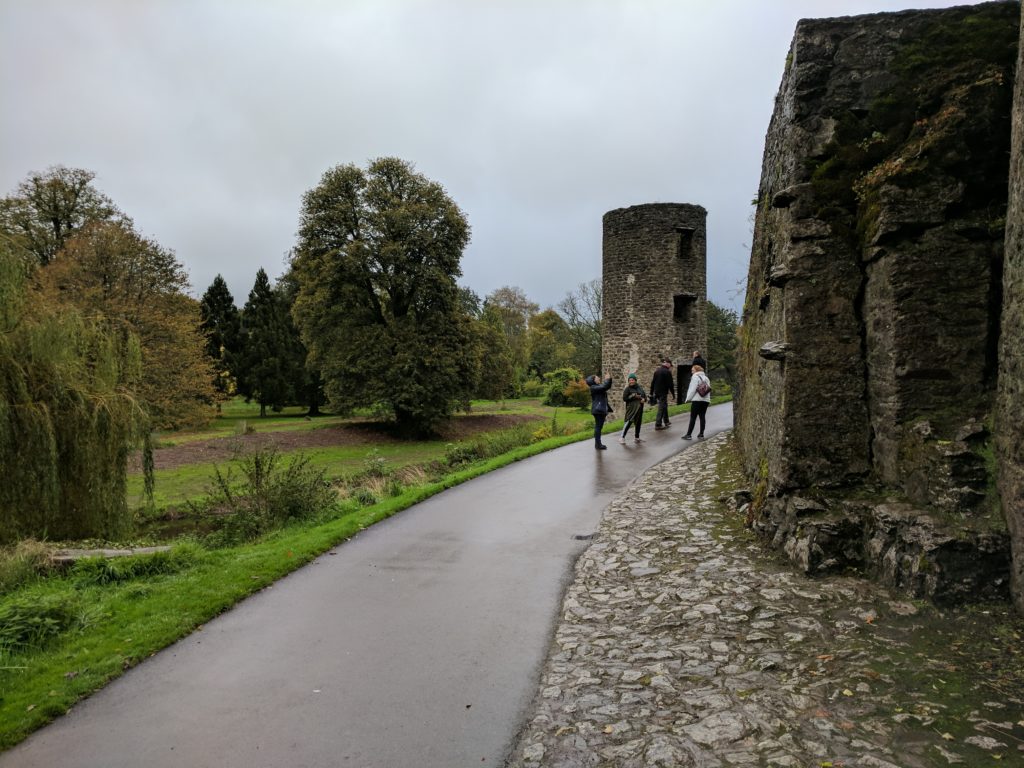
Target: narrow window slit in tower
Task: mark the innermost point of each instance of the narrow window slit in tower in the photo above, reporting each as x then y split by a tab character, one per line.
684	242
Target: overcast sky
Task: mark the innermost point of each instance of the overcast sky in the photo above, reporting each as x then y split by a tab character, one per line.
206	120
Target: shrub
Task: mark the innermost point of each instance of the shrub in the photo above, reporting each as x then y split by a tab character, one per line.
555	383
577	394
412	475
30	621
533	388
22	563
721	388
113	570
364	496
271	494
486	446
461	453
374	465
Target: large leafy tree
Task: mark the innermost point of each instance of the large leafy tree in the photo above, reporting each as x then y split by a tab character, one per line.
265	361
109	271
68	415
378	306
549	344
510	306
722	341
306	382
581	309
48	208
494	371
221	322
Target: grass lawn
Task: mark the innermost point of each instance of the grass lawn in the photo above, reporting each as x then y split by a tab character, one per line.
190	481
235	415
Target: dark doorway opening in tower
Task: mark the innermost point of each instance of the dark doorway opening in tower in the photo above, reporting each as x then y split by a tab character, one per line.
682	307
683	374
684	242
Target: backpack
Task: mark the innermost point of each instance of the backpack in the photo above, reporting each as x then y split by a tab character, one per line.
703	387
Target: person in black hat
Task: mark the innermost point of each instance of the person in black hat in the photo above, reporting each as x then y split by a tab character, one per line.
634	397
662	386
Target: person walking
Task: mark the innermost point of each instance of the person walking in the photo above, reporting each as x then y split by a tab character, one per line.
698	395
684	384
662	386
634	396
599	406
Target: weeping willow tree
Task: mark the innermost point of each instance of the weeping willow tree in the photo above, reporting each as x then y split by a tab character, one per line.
68	419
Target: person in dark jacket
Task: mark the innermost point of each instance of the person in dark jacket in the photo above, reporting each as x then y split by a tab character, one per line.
662	386
698	360
634	397
599	406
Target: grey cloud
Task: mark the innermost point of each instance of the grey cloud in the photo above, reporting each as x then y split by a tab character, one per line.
206	121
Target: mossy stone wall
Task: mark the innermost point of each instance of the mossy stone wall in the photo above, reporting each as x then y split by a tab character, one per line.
1010	405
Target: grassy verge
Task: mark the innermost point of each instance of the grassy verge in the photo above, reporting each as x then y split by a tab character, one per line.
116	624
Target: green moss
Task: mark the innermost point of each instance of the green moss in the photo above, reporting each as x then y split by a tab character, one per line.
931	114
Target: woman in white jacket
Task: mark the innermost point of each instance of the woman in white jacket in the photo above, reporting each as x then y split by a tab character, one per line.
699	382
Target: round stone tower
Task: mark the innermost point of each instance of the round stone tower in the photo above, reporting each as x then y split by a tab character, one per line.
655	287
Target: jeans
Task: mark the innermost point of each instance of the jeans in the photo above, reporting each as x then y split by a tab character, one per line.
662	417
697	409
598	426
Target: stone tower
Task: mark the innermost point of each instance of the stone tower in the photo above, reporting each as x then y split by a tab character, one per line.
655	286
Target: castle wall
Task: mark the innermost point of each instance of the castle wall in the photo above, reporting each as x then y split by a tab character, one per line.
1010	404
655	287
868	350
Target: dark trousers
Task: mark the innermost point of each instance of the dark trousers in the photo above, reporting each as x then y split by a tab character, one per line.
697	409
662	417
598	426
637	421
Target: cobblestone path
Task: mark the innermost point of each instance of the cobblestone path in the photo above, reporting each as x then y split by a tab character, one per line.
683	643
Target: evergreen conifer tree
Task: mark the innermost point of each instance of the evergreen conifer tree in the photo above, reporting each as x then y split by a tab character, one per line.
221	322
265	359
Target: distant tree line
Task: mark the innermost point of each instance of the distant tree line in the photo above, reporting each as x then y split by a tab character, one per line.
100	342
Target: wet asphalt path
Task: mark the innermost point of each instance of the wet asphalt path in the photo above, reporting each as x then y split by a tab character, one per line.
418	644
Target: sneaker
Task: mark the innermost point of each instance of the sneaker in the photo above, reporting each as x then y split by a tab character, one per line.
622	441
687	437
700	437
668	423
600	447
658	427
638	440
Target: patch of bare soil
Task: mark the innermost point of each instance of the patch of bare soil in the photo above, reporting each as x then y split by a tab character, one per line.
369	434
